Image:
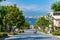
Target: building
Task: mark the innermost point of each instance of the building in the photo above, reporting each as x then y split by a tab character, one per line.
56	19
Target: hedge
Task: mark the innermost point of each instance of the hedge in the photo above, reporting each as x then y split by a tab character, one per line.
3	34
56	33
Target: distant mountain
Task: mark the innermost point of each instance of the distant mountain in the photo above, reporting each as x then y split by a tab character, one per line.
31	20
34	13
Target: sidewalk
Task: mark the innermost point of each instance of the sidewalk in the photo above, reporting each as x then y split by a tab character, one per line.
51	35
54	36
57	36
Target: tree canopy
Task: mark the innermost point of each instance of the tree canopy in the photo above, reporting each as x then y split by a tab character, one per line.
2	0
27	25
56	6
42	22
11	16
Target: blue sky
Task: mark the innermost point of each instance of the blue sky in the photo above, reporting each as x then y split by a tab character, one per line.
32	7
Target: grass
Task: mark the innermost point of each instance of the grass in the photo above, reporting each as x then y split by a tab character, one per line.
56	33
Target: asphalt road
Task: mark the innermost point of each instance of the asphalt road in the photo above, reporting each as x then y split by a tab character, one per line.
30	35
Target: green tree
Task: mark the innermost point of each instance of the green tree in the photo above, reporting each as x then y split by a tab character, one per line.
2	0
1	16
27	25
56	6
42	22
35	27
13	17
50	18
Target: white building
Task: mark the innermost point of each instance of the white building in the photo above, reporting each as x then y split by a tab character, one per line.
56	19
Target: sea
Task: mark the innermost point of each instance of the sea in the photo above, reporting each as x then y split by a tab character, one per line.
32	21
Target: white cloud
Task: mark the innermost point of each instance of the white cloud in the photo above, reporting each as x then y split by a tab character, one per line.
31	7
7	3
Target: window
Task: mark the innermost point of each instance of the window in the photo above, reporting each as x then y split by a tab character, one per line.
56	13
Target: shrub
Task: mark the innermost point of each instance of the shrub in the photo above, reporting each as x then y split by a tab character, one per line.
56	33
12	33
17	32
3	34
21	31
1	28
